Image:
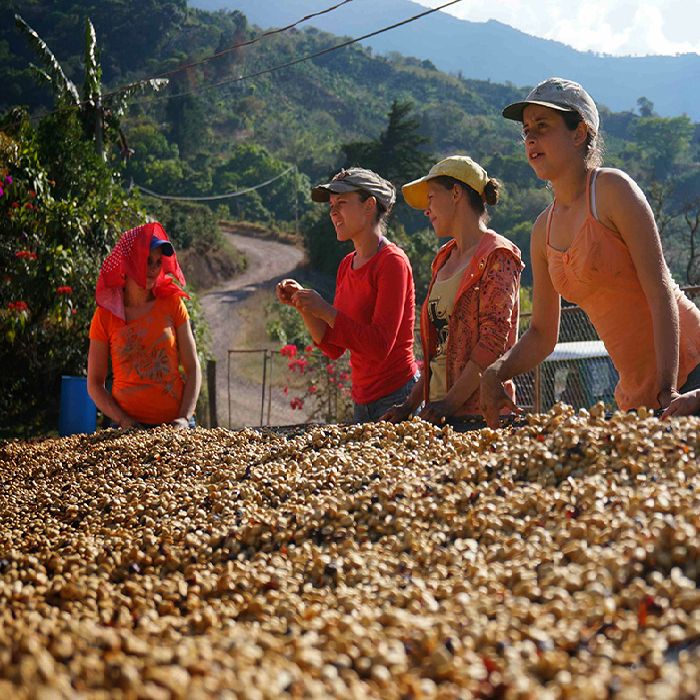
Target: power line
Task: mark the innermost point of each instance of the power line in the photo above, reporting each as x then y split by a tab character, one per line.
250	42
211	198
323	52
187	66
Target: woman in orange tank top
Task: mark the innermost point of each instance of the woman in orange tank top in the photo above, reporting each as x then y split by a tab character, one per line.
597	246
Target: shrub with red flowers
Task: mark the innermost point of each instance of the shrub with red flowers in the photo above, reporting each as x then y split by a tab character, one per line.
60	212
320	386
18	306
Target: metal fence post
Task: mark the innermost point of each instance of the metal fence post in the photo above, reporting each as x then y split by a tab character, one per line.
269	385
262	395
228	387
538	389
211	388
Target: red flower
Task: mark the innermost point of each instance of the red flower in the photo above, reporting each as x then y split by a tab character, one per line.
15	205
330	368
313	389
296	403
344	376
26	254
309	348
289	350
31	194
285	390
18	306
28	205
65	289
300	363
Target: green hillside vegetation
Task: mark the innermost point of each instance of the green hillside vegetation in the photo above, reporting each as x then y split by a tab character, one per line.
213	140
210	133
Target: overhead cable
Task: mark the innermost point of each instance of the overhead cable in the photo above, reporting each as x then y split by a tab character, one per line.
242	44
212	198
203	60
296	61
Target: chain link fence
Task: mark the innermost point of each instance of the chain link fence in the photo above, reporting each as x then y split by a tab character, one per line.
579	372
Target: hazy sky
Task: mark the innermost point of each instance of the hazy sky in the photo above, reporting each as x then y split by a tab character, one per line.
618	27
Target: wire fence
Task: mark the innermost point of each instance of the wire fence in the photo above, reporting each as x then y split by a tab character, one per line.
579	372
284	395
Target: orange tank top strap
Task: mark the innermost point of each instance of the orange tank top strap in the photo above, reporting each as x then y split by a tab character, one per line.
592	208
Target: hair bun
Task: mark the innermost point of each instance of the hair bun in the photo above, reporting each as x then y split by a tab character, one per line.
492	191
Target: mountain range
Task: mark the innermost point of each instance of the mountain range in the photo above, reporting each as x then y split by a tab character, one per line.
491	51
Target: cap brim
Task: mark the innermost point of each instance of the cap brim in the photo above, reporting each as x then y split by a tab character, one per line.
416	193
166	247
322	193
515	111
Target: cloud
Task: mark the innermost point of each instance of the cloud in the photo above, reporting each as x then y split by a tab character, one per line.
618	27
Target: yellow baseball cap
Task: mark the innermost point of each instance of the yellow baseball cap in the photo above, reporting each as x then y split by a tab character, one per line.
461	168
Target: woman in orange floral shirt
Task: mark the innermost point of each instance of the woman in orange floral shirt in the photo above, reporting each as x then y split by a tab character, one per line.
470	316
141	324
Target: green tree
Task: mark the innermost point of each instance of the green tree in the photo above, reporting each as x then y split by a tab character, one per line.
53	236
100	112
646	107
285	198
397	154
187	118
661	143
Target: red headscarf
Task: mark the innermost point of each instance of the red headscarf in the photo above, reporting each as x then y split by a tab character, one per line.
130	257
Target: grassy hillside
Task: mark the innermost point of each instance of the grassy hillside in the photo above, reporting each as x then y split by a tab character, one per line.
212	132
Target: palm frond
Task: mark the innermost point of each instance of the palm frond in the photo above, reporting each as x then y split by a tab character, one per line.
62	86
117	101
92	86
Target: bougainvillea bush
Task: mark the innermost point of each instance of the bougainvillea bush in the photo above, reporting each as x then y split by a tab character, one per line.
60	212
317	385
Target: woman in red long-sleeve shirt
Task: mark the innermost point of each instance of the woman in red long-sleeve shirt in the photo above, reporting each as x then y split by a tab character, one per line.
373	311
470	316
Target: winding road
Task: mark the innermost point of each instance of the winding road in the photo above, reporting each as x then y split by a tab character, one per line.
268	262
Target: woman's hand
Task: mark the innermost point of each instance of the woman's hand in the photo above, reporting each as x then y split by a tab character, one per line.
127	421
437	412
493	399
309	301
286	289
398	413
667	396
180	423
686	404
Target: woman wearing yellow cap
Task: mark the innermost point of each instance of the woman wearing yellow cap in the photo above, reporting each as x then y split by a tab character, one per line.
597	246
470	316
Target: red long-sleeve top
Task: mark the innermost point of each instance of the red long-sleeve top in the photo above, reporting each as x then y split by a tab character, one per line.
376	311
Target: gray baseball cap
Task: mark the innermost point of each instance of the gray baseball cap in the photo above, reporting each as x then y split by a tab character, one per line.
353	179
558	93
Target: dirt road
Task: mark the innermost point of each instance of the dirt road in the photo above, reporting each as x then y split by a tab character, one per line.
225	308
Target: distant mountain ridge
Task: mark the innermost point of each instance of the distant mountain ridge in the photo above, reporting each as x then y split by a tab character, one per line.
492	51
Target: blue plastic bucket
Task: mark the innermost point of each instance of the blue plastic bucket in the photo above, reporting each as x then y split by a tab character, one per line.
78	413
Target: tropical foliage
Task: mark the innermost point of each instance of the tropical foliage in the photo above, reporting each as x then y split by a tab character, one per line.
214	131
